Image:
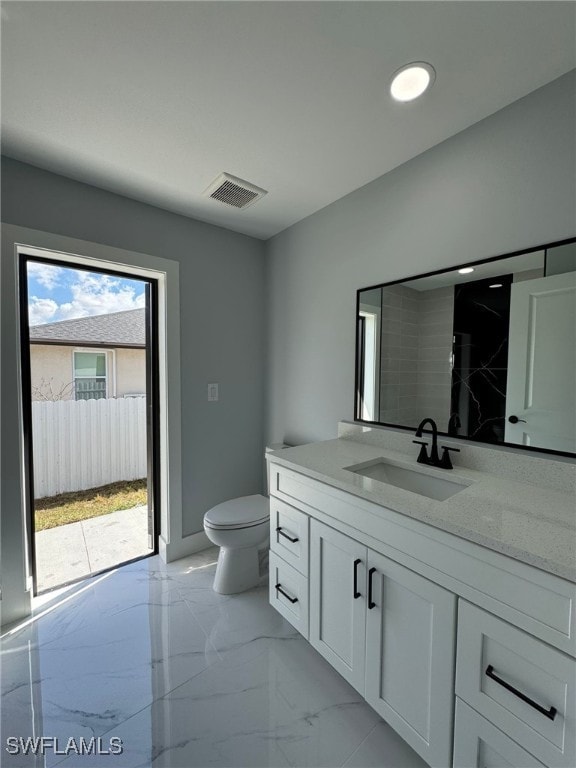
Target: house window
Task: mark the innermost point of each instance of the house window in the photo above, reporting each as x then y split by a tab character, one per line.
90	375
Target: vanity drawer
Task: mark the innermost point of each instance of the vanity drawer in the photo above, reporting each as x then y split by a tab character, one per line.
520	684
288	591
479	744
289	534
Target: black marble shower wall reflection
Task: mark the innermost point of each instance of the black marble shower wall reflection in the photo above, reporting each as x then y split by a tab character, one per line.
480	358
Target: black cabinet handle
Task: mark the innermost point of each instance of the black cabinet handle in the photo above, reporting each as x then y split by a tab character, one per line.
371	603
281	532
549	713
286	595
356	593
515	420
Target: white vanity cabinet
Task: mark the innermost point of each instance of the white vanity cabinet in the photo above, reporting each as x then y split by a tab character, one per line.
396	606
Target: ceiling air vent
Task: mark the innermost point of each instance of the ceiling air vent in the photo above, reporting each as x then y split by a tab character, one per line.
233	191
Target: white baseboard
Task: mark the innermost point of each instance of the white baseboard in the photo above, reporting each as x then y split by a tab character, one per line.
170	551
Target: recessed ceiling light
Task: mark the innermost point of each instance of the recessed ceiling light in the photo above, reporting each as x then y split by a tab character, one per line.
495	285
466	270
411	80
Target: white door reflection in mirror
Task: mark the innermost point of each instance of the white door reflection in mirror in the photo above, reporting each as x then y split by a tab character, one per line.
542	363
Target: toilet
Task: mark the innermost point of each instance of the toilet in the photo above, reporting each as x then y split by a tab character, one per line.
240	527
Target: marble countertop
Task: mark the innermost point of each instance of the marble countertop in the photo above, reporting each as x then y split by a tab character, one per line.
530	523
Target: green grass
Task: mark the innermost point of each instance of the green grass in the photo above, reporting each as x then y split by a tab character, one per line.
65	508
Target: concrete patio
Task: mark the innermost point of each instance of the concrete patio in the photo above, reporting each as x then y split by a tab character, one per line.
72	551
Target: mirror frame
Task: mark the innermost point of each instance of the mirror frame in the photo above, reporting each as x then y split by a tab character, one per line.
544	247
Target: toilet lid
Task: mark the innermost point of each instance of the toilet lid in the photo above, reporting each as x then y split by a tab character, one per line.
238	513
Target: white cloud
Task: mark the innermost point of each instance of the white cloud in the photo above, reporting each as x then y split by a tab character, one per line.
41	310
99	295
47	275
91	295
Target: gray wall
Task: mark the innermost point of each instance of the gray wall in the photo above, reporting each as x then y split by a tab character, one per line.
222	320
506	183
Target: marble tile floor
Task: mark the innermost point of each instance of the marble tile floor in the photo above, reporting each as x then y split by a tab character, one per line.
150	655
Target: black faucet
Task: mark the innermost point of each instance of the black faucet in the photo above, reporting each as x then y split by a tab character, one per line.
454	424
433	459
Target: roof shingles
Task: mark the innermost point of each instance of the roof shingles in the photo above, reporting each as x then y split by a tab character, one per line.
114	329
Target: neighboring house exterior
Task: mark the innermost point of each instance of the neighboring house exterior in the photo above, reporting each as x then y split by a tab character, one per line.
90	357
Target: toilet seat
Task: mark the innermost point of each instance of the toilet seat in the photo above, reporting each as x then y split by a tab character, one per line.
232	527
245	512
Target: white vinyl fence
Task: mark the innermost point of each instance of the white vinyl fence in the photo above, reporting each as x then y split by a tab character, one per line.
81	444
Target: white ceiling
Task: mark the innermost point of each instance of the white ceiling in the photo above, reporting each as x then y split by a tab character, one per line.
154	99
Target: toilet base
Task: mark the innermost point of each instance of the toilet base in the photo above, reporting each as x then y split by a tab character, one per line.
237	570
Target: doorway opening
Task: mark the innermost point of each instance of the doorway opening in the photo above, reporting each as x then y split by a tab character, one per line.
368	351
89	359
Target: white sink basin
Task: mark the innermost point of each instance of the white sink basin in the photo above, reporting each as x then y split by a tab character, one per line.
432	486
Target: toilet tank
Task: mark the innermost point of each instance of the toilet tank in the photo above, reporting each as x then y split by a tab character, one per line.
270	449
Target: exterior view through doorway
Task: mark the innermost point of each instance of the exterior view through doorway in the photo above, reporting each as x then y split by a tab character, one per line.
89	362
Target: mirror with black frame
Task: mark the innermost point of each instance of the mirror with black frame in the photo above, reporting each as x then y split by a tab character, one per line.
487	350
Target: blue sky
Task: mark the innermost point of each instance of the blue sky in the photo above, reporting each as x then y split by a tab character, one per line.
63	293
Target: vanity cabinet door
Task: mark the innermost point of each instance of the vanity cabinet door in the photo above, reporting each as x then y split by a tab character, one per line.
338	601
410	647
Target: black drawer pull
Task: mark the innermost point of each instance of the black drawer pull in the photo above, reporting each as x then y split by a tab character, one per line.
549	713
371	603
281	532
286	595
356	593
